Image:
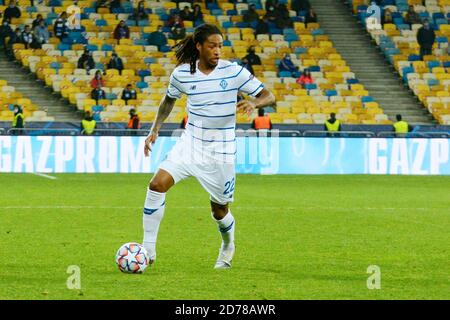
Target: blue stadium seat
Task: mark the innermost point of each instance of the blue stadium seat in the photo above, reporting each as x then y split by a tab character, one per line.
413	57
165	48
92	47
63	46
314	68
107	47
331	93
227	24
310	86
101	23
98	108
352	81
31	9
149	60
285	74
144	73
55	65
141	85
110	96
433	64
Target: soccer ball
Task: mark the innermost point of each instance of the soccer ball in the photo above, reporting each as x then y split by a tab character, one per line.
132	258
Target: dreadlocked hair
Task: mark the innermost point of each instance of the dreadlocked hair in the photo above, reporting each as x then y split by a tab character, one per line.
186	50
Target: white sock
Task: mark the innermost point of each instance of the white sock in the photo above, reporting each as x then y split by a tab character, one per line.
226	229
152	216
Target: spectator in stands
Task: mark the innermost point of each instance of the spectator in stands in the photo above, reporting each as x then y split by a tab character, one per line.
186	14
97	80
98	93
425	38
175	18
103	4
128	93
13	11
252	57
115	4
177	29
122	31
15	38
197	14
37	21
332	125
305	78
115	63
262	121
5	33
18	120
251	15
157	38
247	65
60	27
412	17
184	122
271	3
86	61
282	16
286	64
271	15
387	17
311	17
88	124
300	5
140	13
134	122
401	127
41	34
262	27
27	37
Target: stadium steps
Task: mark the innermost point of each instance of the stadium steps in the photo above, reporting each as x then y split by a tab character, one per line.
369	66
28	84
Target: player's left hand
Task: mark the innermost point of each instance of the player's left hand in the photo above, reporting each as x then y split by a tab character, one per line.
246	106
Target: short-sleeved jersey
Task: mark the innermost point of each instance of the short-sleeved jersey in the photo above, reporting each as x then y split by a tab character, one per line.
211	103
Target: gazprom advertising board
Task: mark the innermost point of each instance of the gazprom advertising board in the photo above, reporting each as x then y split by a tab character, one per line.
263	155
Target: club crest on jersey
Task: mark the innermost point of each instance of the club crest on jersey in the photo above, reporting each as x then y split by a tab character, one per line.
223	84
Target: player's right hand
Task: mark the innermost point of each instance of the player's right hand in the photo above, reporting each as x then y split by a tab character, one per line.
149	141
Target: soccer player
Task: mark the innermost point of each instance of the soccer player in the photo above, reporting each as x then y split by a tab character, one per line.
207	148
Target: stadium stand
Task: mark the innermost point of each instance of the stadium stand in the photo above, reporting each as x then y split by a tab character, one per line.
428	79
10	97
147	68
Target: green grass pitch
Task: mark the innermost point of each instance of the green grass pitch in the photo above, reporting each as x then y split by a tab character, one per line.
297	237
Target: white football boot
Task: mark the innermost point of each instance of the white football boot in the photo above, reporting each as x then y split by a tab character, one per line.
225	256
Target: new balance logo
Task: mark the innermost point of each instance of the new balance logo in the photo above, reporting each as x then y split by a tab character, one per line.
193	87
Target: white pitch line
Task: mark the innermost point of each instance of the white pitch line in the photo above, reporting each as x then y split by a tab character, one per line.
45	175
207	207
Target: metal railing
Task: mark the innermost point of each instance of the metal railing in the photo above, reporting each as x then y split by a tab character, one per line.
239	133
132	132
338	134
267	133
44	131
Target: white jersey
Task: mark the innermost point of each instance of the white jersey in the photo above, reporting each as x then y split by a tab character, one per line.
211	104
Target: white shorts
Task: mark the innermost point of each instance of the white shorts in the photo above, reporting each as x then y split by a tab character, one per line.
216	177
